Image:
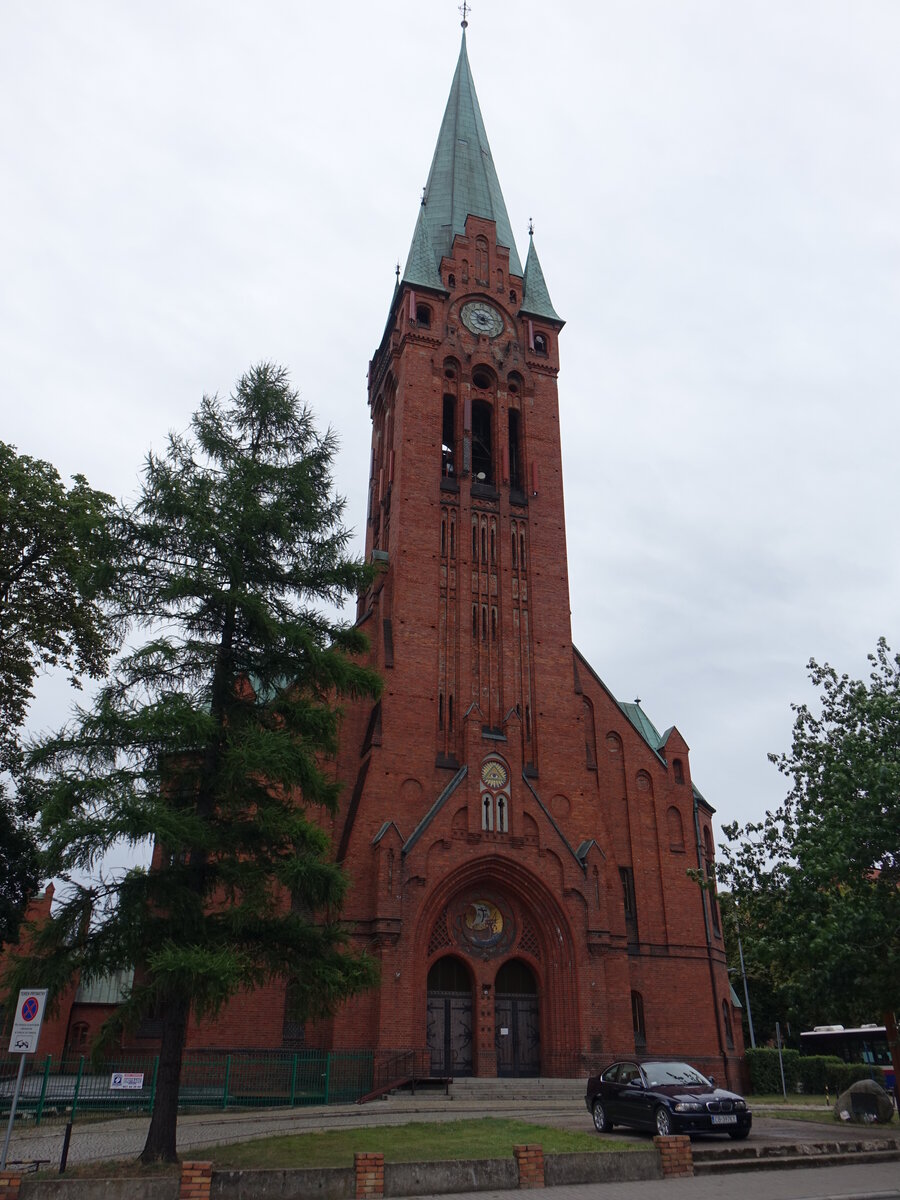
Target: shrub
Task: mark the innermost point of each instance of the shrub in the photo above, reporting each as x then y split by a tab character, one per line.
849	1073
765	1075
818	1071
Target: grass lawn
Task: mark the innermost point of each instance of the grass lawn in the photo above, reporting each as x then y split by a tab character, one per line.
420	1141
797	1108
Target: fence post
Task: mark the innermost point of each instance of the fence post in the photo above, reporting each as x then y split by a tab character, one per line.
77	1086
153	1082
227	1080
40	1104
293	1081
327	1077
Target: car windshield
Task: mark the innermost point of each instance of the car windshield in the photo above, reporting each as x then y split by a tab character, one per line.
662	1073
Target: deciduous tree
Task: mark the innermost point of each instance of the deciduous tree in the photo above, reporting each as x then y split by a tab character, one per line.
210	738
57	572
820	876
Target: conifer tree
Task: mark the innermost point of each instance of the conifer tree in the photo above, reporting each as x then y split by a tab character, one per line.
211	739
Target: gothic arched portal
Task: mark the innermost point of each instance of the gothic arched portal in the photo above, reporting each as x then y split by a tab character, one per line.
517	1025
449	1024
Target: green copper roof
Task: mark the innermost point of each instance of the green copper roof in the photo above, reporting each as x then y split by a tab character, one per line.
421	266
536	300
642	724
462	181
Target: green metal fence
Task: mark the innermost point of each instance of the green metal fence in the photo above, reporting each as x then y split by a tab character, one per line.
71	1089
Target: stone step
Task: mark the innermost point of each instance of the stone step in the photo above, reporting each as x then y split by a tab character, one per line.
724	1164
778	1150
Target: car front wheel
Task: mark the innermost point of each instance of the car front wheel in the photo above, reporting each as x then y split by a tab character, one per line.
602	1123
663	1122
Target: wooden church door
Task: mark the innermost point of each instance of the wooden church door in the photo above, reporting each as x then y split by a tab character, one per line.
449	1018
517	1027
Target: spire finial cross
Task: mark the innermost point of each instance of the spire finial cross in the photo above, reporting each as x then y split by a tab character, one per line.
398	270
465	9
530	227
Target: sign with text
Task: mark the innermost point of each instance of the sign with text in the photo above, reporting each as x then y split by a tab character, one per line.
26	1027
127	1081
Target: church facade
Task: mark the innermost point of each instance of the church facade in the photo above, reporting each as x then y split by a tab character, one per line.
518	840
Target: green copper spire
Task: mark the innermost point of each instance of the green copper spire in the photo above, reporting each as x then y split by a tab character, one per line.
462	181
536	300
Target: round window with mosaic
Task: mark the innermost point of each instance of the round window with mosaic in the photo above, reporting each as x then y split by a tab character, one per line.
483	923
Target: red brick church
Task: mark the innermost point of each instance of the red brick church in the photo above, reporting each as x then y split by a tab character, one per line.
517	838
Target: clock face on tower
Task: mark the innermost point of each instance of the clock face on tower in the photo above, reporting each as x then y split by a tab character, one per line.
480	317
494	774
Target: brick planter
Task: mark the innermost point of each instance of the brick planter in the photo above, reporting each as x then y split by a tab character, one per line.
675	1154
10	1182
196	1180
530	1161
369	1170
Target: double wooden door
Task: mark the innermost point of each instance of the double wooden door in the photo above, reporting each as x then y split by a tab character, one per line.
517	1033
450	1033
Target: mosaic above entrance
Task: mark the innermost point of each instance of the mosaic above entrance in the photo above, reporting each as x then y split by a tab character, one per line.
483	924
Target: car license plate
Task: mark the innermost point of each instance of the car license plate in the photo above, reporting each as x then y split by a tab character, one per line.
727	1119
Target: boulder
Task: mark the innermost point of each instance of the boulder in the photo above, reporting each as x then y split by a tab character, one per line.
866	1102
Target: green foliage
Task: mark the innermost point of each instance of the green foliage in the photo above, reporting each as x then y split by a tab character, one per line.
817	880
210	738
816	1072
56	548
765	1073
56	570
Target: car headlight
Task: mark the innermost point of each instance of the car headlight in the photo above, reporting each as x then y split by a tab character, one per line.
688	1106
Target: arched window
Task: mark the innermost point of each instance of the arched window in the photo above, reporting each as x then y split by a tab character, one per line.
502	815
590	737
423	316
726	1022
449	974
637	1020
487	813
77	1041
481	260
540	343
678	770
515	470
482	442
448	438
675	827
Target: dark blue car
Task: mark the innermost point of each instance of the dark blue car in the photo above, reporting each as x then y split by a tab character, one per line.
667	1097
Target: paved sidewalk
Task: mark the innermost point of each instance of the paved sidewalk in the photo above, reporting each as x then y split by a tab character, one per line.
866	1181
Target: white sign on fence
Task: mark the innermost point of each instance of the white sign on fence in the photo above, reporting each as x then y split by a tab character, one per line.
27	1022
127	1080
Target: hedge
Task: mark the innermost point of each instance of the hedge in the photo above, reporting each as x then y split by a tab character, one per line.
809	1073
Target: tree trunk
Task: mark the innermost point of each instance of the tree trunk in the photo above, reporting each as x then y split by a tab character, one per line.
893	1041
161	1145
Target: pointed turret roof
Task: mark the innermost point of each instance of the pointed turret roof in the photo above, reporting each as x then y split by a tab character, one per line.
462	181
536	298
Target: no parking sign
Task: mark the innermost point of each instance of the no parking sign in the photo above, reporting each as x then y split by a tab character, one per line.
27	1023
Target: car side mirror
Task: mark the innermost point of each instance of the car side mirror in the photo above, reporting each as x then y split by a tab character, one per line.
712	1080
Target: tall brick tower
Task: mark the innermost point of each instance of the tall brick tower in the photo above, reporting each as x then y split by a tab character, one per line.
518	840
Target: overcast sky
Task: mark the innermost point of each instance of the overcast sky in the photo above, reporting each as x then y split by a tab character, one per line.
192	186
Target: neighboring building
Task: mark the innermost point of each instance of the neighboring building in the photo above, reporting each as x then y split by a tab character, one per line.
518	840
